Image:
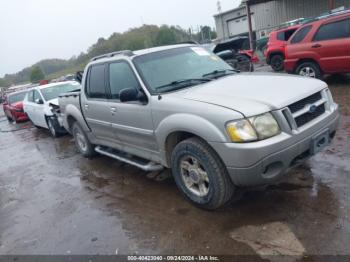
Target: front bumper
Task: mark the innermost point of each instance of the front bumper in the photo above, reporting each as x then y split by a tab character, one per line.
267	161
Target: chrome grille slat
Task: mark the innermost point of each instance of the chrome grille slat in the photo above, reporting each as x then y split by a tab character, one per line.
306	110
300	113
297	106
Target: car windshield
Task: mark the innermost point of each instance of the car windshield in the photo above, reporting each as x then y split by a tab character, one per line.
185	66
53	92
16	97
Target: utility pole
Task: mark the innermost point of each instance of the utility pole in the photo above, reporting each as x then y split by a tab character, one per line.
222	20
250	26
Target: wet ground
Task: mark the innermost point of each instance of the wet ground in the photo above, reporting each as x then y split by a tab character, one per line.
54	201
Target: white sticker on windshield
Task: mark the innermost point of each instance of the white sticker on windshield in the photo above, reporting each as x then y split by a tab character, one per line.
200	51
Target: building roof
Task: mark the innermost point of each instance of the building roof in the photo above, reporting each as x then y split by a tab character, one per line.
230	11
252	2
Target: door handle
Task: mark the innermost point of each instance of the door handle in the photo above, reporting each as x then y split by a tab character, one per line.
316	46
86	107
113	110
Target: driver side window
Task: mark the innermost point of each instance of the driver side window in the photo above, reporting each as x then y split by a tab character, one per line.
36	95
121	76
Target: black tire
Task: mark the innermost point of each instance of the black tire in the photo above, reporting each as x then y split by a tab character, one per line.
220	188
244	63
310	68
53	128
82	142
9	119
277	62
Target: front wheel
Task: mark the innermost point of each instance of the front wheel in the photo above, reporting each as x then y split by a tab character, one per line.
53	128
82	142
277	63
200	174
309	69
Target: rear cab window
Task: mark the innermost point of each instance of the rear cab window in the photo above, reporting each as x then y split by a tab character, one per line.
333	30
95	83
301	34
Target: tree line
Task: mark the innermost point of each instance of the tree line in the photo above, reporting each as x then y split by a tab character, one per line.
142	37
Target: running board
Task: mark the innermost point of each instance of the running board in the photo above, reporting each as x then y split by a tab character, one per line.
135	161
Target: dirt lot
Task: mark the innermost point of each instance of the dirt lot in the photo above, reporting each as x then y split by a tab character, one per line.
54	201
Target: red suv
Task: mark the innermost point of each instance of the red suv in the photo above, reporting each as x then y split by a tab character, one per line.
275	51
13	107
320	47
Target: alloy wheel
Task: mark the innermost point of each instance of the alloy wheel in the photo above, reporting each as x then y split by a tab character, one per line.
307	72
194	176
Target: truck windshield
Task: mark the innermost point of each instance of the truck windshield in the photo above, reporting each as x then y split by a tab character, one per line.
53	92
172	67
16	97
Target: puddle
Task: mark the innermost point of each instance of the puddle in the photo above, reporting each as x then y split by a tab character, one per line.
271	241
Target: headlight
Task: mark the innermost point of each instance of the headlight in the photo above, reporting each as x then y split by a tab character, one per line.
253	129
265	125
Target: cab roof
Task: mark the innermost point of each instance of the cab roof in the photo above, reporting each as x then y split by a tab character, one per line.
131	54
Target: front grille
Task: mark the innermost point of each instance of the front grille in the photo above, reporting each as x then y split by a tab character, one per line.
306	118
299	113
304	102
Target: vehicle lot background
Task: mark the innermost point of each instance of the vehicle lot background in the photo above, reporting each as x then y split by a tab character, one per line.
54	201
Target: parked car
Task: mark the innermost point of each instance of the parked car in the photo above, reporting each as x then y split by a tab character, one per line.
320	47
181	107
39	101
275	50
13	107
236	53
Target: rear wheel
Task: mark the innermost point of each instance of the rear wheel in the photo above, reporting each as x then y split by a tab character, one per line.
309	69
82	142
200	174
277	62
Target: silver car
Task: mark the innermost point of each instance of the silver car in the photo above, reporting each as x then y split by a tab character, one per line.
182	107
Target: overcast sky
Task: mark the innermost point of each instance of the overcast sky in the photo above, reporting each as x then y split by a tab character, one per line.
32	30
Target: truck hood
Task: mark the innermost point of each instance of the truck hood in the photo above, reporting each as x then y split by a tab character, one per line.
253	93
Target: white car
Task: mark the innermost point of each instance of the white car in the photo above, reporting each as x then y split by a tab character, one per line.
38	105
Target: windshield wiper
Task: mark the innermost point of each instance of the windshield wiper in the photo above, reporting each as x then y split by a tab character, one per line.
221	73
175	85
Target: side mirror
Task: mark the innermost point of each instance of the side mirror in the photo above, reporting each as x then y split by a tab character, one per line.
39	101
131	94
79	76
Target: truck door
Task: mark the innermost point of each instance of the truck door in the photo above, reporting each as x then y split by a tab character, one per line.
94	104
132	121
332	44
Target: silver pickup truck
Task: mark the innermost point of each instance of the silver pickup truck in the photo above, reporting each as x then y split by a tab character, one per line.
182	107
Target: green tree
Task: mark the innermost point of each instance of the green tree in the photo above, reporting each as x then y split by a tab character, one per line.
36	75
165	36
3	83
